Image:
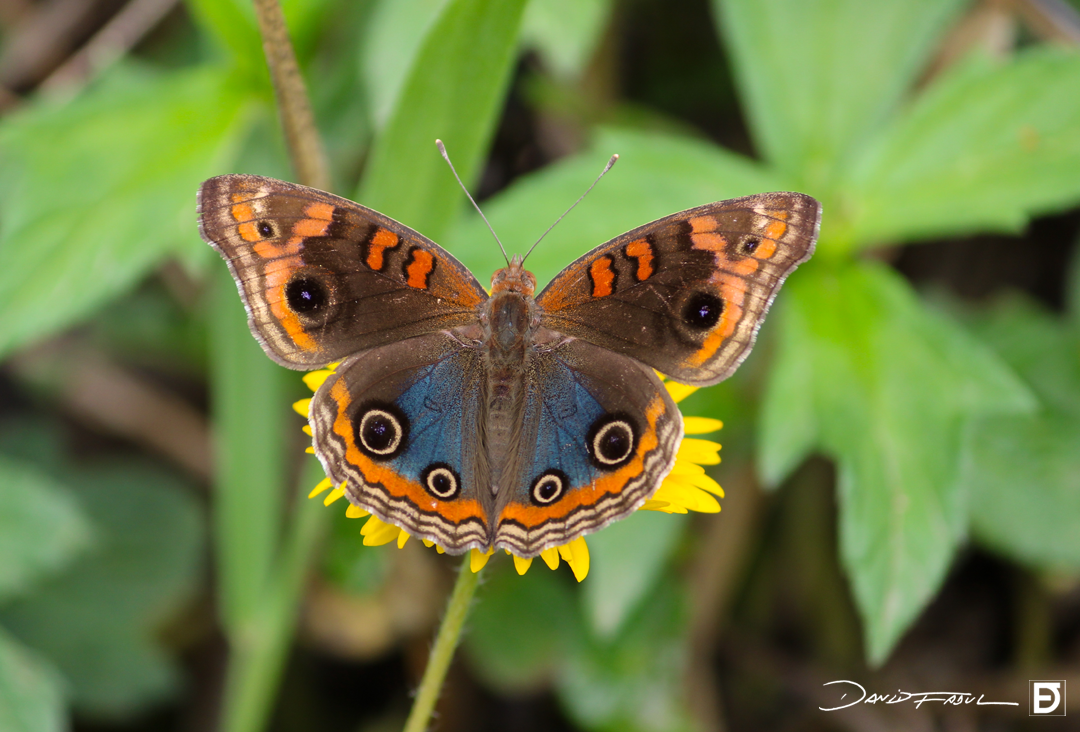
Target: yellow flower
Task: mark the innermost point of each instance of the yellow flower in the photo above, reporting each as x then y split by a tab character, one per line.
686	488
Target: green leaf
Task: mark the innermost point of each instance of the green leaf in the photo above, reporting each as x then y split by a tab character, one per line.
31	698
635	682
1023	472
886	388
627	559
454	91
392	39
1023	475
657	174
566	32
988	146
42	528
97	622
96	192
521	627
818	77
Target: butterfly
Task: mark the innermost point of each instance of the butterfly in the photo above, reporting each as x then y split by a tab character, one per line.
499	420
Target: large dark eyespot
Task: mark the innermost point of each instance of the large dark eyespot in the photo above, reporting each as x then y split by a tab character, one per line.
265	229
441	481
306	295
750	244
381	430
703	310
611	441
549	487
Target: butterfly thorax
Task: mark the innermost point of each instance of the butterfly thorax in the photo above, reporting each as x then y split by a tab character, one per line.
509	321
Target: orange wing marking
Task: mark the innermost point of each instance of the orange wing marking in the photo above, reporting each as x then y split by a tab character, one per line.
419	268
642	251
320	216
383	240
703	234
603	277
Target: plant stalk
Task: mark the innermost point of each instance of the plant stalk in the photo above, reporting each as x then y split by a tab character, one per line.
457	608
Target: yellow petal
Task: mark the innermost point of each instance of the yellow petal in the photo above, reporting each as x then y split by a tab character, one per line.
550	557
307	430
403	536
333	496
428	543
377	532
701	425
355	512
302	407
439	549
684	467
332	367
662	506
679	392
687	496
522	565
702	452
322	485
315	379
579	558
478	559
704	482
309	450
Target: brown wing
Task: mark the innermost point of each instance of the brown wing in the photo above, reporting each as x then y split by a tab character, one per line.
323	277
686	293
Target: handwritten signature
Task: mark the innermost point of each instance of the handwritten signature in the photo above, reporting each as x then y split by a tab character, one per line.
955	698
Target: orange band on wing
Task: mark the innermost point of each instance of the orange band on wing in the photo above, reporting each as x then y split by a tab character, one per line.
603	278
419	268
380	242
775	230
248	231
642	251
242	212
397	485
590	494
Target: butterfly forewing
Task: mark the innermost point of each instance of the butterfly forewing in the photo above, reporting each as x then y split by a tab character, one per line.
323	277
685	294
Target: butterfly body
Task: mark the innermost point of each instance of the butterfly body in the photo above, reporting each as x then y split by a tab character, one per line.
503	420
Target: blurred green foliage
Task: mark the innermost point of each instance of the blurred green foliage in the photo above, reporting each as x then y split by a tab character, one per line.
943	423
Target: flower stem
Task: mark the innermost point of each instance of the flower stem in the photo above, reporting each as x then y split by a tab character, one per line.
443	652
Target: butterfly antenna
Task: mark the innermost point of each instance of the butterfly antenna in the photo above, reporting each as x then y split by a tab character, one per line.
442	149
602	174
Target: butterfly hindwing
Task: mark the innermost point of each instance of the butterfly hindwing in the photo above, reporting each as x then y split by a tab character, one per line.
599	432
397	425
322	277
685	294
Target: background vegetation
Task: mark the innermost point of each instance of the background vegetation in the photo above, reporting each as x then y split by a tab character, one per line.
902	451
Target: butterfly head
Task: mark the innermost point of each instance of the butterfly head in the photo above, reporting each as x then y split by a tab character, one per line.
514	278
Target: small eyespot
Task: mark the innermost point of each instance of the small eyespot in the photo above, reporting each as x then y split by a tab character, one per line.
702	310
381	431
306	295
440	480
611	441
549	487
750	244
265	229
